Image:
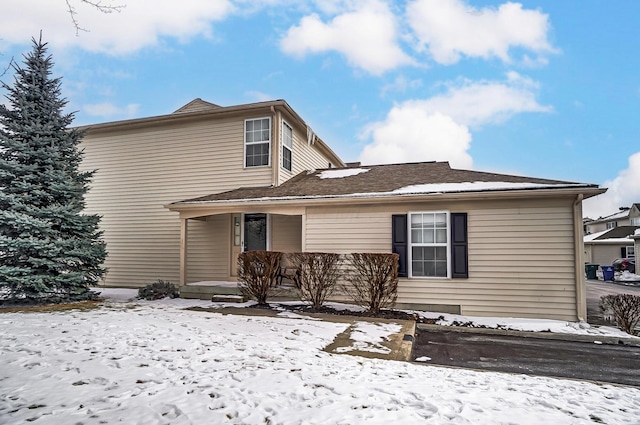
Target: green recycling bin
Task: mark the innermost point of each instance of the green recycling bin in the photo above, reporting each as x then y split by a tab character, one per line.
590	270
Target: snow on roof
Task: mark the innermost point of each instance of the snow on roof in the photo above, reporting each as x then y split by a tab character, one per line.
614	216
615	237
469	187
421	189
592	236
340	173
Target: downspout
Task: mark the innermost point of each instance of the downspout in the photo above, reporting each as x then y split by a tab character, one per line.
275	147
581	300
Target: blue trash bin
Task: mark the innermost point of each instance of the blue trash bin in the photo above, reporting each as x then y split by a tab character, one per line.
607	272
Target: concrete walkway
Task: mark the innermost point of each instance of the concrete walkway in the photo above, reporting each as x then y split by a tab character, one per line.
398	346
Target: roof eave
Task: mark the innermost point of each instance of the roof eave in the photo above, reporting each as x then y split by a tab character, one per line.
186	116
364	199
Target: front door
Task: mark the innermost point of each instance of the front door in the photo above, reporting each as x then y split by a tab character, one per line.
249	232
255	232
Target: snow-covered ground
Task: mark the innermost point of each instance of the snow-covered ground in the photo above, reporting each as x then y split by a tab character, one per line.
156	363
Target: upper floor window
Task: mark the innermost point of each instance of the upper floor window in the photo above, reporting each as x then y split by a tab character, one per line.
287	146
612	224
635	221
257	142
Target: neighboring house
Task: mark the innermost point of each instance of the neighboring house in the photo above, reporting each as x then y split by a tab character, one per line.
469	242
603	247
636	242
627	216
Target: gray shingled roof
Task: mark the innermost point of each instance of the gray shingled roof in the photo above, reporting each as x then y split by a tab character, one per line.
617	233
378	179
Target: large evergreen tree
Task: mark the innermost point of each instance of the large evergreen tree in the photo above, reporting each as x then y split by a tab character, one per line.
49	249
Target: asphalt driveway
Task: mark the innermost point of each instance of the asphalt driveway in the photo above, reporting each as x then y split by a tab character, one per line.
589	360
597	289
569	359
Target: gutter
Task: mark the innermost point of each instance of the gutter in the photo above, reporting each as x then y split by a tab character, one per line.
377	197
581	293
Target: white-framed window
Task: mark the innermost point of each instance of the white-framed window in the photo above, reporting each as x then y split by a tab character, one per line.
429	249
287	146
257	142
612	224
631	252
635	221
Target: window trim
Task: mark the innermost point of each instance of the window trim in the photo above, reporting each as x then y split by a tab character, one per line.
244	136
630	248
410	244
611	225
289	148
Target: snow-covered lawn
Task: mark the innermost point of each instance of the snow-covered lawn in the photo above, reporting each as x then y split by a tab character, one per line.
156	363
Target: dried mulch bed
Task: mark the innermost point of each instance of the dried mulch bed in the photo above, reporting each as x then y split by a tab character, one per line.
383	314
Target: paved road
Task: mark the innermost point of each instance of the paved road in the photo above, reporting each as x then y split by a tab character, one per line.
607	363
598	288
582	360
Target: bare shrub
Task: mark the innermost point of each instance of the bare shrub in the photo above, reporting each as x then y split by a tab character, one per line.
373	280
257	273
316	277
158	290
625	308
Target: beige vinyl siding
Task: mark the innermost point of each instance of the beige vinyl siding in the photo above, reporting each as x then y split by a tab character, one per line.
521	255
305	156
140	170
603	254
286	233
348	230
210	261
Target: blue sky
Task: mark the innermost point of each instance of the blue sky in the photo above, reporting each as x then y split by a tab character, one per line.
540	88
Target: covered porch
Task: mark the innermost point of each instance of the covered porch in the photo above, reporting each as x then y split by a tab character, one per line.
211	240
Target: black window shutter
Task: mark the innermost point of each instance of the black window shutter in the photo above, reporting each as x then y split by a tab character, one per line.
459	246
623	252
399	241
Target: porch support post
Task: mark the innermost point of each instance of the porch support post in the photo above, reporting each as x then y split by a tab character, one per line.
303	242
183	250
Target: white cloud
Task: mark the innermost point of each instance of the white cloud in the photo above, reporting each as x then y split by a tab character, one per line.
622	191
140	24
109	110
450	29
411	134
485	102
438	128
258	96
401	84
366	36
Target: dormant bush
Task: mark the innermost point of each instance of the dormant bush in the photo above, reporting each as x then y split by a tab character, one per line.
257	274
316	276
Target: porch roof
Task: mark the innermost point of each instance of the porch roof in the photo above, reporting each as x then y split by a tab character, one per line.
617	235
387	180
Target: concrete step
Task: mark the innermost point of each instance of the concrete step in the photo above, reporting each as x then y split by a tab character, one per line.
222	298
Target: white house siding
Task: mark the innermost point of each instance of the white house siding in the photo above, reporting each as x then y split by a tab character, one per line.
209	248
305	156
286	231
140	170
603	254
521	255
